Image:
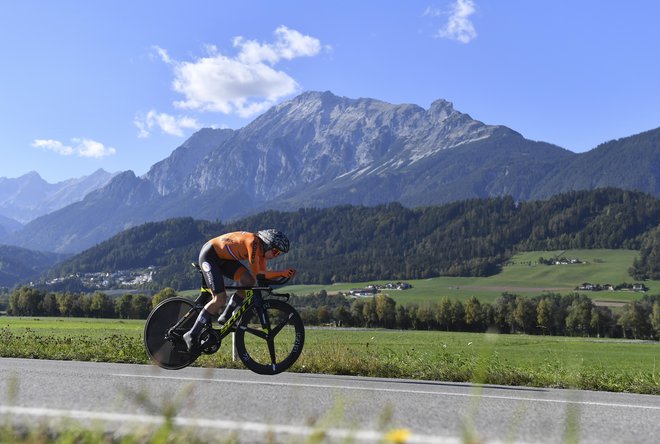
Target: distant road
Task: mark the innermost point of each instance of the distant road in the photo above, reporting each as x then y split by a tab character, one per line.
291	406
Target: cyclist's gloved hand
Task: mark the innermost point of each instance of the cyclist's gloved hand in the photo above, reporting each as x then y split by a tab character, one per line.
289	273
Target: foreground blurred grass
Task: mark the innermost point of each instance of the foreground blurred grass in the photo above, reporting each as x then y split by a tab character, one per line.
593	364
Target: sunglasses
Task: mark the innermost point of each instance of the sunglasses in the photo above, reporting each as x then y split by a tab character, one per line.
276	252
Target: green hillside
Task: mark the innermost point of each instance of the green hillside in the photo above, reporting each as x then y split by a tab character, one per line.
468	240
522	275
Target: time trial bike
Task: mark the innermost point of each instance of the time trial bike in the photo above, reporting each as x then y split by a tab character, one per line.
269	333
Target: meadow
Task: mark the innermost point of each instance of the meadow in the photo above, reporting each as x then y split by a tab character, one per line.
522	275
537	361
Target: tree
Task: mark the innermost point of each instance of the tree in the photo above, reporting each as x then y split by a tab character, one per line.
426	317
647	265
655	319
101	306
124	306
140	307
444	313
503	312
602	321
165	293
323	315
545	315
474	317
578	318
66	304
412	313
524	314
385	310
342	316
369	313
357	315
634	320
28	301
82	305
403	320
48	306
457	315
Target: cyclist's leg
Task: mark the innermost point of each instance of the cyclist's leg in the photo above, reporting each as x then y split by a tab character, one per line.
212	270
244	279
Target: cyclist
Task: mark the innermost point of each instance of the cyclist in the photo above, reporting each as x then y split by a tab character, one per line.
221	257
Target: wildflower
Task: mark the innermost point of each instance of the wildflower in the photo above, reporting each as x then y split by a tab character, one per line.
397	436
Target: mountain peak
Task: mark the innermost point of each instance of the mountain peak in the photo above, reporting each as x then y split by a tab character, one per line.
441	104
32	174
441	109
315	95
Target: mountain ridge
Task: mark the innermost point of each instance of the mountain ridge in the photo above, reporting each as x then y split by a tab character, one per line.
320	150
29	196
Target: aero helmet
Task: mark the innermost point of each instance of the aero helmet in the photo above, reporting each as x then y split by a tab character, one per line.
274	239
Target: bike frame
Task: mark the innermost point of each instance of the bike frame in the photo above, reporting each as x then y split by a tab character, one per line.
253	298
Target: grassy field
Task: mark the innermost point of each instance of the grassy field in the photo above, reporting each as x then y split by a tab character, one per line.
65	327
613	365
523	275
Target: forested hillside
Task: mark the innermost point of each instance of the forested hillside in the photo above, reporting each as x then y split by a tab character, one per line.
356	243
21	265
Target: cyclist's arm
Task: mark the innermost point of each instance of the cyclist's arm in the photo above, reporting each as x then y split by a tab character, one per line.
259	267
257	262
288	273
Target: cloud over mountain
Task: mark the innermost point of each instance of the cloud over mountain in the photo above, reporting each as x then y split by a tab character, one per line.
244	84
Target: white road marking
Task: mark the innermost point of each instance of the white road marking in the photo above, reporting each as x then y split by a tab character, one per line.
239	426
389	390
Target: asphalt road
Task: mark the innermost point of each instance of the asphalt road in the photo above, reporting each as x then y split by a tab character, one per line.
218	402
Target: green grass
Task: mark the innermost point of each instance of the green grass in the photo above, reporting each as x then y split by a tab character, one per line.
62	327
523	275
613	365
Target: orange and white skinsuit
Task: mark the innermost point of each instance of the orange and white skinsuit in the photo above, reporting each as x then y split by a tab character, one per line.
221	256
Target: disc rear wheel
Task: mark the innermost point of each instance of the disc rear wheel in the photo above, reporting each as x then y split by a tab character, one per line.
163	341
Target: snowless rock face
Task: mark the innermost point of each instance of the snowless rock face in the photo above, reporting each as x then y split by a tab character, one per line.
322	136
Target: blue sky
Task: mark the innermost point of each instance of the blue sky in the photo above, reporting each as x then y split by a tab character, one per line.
120	84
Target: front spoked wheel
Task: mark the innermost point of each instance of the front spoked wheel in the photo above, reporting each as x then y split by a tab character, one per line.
270	344
163	333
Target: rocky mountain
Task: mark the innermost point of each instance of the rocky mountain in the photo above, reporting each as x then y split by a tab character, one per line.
171	174
27	197
320	150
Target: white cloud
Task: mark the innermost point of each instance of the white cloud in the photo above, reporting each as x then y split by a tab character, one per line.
245	84
168	124
81	147
459	27
288	45
53	145
92	148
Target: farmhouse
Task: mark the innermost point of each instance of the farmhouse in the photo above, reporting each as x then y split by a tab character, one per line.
371	290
